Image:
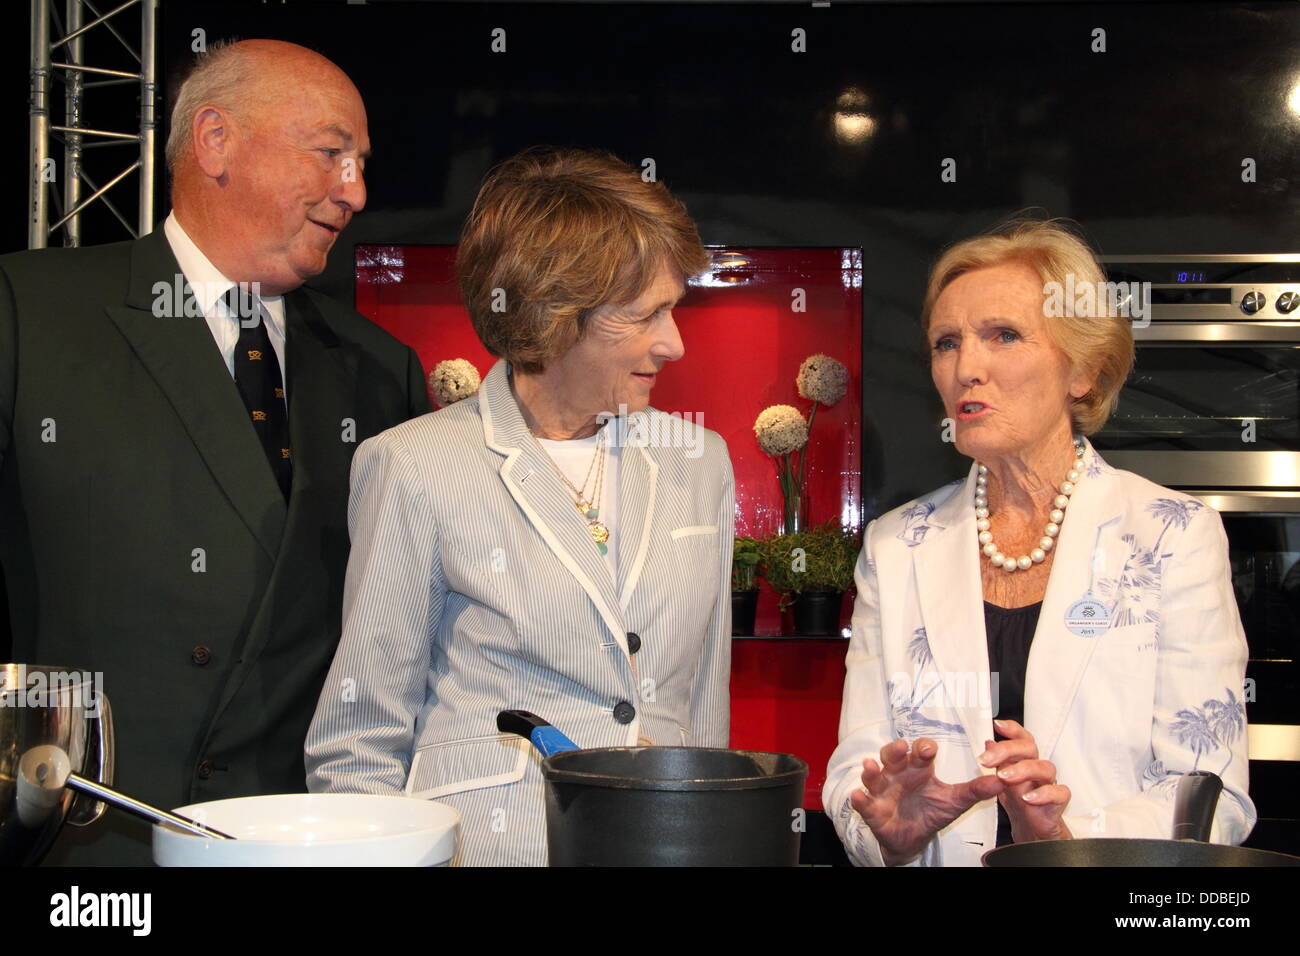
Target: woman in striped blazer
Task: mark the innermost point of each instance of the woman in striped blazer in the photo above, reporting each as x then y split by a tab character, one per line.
552	543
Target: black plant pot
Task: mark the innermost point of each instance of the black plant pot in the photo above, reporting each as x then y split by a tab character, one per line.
817	613
744	609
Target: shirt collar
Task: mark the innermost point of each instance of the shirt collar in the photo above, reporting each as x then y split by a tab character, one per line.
205	280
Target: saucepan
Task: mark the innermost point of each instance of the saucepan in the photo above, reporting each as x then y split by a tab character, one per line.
43	710
55	725
56	766
664	806
1194	802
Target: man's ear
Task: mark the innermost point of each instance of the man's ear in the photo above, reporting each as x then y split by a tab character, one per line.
213	140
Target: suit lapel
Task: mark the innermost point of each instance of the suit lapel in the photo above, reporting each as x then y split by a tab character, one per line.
179	354
638	481
1058	657
321	382
530	478
946	564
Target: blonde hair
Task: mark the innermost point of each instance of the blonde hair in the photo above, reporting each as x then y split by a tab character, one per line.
559	233
1100	345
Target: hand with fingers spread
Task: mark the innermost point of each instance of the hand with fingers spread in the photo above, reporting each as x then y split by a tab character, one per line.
1034	801
905	804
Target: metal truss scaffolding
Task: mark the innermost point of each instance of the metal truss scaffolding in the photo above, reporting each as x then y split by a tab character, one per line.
56	50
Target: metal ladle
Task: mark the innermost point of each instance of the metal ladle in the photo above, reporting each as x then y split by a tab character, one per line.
44	771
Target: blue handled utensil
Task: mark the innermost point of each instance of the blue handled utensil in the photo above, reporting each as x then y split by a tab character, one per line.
532	728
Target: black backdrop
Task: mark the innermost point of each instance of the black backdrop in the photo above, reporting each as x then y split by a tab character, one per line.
1143	143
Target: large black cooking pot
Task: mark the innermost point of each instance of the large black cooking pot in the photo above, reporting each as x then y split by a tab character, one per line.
1194	803
665	806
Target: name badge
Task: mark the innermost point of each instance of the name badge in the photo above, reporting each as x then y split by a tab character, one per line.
1087	617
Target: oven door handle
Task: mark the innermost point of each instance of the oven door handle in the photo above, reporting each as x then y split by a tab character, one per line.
1172	332
1249	502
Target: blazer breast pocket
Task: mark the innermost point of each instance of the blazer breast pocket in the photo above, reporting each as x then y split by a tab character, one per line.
1137	640
686	566
696	531
472	763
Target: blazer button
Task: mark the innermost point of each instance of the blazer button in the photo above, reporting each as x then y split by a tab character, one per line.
633	642
624	712
201	655
205	769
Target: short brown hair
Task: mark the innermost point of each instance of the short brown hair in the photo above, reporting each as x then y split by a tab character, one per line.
559	233
1102	345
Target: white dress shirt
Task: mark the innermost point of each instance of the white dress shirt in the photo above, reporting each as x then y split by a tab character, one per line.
209	286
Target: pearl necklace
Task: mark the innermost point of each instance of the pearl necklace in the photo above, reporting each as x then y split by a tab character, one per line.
1054	519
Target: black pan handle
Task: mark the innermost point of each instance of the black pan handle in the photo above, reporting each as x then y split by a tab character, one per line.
547	739
1194	804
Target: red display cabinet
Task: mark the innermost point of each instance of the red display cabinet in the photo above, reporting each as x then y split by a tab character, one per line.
747	326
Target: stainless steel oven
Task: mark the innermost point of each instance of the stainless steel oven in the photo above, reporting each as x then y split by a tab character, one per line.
1213	409
1214	400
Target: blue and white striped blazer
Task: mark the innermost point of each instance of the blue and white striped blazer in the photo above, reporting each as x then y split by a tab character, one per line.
473	586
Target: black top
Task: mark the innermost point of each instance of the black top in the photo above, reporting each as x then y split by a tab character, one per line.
1010	631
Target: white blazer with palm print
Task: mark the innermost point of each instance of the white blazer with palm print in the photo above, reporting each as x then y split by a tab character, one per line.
1153	692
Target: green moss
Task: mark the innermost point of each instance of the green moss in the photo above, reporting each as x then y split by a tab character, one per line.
819	559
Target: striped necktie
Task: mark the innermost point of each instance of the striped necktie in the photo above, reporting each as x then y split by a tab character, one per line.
257	375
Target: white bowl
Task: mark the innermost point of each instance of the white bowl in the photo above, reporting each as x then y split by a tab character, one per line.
313	829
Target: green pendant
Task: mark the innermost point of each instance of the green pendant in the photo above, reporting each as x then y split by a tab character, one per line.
592	513
604	548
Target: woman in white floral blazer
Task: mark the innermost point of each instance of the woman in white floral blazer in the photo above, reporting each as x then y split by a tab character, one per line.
1041	649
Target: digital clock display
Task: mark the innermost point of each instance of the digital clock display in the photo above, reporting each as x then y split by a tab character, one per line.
1193	272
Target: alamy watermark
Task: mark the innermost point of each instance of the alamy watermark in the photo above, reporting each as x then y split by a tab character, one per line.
1088	299
180	299
128	910
46	688
959	690
663	430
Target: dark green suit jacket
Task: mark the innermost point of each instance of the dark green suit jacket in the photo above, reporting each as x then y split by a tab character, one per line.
144	536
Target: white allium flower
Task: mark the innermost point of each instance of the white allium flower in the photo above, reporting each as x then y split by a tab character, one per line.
781	429
822	379
453	379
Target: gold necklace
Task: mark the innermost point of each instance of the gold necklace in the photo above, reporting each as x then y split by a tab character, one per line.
589	508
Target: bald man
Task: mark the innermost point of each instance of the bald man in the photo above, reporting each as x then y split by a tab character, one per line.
174	458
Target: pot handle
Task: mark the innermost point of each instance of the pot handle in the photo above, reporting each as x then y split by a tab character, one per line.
1194	805
102	757
532	728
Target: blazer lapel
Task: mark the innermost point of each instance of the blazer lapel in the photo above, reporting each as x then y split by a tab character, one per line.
179	354
946	564
638	480
1058	657
531	479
